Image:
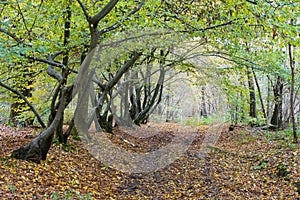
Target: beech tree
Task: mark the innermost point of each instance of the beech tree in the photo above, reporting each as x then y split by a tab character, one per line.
55	37
38	148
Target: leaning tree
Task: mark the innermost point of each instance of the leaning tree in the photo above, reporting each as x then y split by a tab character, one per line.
75	30
38	148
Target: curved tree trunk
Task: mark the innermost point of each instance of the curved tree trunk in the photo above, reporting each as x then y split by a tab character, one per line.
38	148
59	130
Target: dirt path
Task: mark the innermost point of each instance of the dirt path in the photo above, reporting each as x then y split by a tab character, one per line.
243	164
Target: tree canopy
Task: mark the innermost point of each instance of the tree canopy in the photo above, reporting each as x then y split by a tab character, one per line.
251	47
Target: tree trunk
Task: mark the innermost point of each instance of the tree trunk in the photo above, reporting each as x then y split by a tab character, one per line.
17	92
203	111
59	130
292	107
276	120
168	112
252	96
38	148
260	95
150	100
268	96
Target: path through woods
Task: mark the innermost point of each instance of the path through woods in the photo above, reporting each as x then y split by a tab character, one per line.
245	164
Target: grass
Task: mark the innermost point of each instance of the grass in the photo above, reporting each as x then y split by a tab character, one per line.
69	195
196	121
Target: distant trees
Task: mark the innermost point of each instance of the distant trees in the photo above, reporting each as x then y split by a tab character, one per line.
43	45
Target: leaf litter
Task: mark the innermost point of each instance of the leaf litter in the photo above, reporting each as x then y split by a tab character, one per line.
243	164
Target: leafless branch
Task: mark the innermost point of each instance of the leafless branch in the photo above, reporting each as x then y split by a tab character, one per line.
253	2
53	63
117	24
10	34
100	15
217	26
116	43
84	9
51	71
17	92
23	18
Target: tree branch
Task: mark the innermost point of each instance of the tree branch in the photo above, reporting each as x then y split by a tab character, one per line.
19	41
12	35
17	92
117	24
100	15
253	2
49	62
51	71
217	26
23	18
203	29
122	70
116	43
84	9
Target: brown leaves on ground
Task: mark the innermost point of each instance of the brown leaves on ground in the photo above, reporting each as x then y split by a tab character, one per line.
244	164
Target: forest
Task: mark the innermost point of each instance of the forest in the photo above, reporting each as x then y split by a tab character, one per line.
152	99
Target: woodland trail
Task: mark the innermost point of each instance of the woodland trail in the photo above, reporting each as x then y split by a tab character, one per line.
244	164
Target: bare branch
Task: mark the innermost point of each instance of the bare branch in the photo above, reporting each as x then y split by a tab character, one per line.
84	9
23	18
214	26
117	24
193	29
53	63
51	71
253	2
54	74
10	34
122	70
116	43
236	57
17	92
100	15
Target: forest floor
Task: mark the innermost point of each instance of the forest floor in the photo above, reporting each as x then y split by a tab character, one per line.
244	164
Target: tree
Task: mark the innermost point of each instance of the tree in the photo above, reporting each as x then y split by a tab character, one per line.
252	99
291	63
38	148
221	26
